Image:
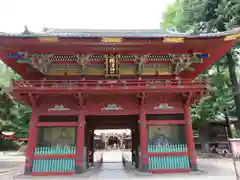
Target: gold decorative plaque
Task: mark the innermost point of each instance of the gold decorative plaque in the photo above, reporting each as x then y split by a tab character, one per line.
111	66
111	40
48	39
173	40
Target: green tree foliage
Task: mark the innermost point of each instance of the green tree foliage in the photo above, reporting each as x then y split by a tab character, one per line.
204	16
218	100
13	115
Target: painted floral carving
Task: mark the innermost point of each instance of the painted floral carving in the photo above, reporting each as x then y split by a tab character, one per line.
58	108
163	106
112	107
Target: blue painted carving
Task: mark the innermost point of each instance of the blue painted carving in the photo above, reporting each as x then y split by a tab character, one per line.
16	55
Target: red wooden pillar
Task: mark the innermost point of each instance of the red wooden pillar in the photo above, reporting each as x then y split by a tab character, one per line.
143	142
133	144
80	144
87	143
32	137
91	146
190	138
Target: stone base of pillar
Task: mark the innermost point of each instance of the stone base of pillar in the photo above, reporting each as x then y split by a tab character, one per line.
194	167
144	168
27	170
79	169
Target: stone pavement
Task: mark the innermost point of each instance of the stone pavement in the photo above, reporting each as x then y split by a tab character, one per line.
222	169
8	163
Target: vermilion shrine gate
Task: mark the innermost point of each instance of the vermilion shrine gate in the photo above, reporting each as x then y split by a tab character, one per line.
77	81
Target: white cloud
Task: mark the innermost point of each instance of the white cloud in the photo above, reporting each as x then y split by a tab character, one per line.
87	14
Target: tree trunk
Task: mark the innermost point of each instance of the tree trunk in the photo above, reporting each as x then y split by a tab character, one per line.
204	139
233	77
228	124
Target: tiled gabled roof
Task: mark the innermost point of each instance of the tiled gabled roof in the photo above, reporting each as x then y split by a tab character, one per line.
144	33
220	118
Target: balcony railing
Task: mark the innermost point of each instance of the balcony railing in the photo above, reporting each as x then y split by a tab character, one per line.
86	85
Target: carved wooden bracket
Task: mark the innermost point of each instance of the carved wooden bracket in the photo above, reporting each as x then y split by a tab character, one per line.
188	97
32	100
80	98
83	62
140	61
31	123
180	62
183	61
141	99
41	62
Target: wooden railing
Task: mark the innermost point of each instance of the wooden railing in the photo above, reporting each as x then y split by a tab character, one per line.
107	84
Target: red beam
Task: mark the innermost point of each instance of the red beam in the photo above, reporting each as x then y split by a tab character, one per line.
170	171
168	153
87	88
98	41
48	156
175	111
53	173
70	84
161	122
58	113
76	49
106	90
51	124
120	112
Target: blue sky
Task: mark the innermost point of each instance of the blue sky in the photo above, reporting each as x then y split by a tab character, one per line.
84	14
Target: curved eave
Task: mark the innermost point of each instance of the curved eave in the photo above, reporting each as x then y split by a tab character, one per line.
215	44
20	69
115	37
